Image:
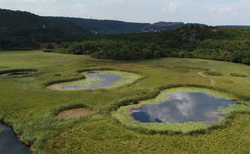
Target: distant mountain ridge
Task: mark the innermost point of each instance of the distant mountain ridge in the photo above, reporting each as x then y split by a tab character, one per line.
106	26
20	23
24	30
121	27
234	26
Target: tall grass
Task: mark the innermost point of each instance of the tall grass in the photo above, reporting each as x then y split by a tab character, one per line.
31	109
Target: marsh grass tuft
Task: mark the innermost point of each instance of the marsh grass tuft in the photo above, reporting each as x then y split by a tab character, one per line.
238	74
213	73
19	72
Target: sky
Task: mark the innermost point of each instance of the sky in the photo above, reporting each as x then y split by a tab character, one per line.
210	12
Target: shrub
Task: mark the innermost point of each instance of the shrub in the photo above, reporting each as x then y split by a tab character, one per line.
47	50
238	75
214	73
50	46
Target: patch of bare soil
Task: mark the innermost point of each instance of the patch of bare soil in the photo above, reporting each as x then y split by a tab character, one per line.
73	113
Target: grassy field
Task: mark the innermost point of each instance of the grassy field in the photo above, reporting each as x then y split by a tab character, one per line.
31	108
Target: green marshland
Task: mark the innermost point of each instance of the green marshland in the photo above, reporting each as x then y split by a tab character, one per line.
31	108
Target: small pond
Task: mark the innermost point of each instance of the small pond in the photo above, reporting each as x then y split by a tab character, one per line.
102	80
99	79
183	107
10	143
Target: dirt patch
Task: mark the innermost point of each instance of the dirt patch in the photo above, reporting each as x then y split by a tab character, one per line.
73	113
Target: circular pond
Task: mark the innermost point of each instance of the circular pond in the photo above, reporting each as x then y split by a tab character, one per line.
10	143
183	111
99	79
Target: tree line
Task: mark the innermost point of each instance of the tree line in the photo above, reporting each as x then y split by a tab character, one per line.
216	43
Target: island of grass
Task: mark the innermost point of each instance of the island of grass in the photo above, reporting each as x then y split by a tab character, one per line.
18	72
99	79
180	109
238	74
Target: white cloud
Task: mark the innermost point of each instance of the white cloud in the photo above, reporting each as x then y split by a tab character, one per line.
221	9
29	1
79	5
172	6
164	10
108	2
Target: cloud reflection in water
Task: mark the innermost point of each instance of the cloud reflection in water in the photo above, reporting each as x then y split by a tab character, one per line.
108	80
183	107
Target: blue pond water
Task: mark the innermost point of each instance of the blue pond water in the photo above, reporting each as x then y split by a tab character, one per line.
10	143
108	80
183	107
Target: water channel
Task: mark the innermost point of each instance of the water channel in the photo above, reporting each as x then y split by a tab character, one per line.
10	143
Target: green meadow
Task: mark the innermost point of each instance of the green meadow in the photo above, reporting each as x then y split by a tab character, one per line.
30	107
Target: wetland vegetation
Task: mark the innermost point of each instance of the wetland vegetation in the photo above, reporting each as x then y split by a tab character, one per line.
32	109
99	79
179	111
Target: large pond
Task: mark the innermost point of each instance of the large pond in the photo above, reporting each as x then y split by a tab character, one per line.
10	143
179	110
99	79
183	107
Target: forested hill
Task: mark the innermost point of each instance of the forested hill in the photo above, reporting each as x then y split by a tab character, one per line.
119	27
217	43
234	26
106	26
23	30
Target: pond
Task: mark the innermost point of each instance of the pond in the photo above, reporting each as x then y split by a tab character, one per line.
99	79
183	107
179	109
102	80
10	143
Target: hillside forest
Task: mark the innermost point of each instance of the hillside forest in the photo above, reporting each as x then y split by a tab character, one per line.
216	43
123	41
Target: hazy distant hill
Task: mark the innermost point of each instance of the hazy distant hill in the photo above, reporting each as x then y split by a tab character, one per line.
18	23
106	26
120	27
234	26
24	30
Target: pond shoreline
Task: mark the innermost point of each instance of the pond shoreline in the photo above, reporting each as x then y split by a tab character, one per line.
124	113
19	138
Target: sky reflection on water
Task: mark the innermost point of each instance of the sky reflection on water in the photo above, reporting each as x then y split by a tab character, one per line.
183	107
108	80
